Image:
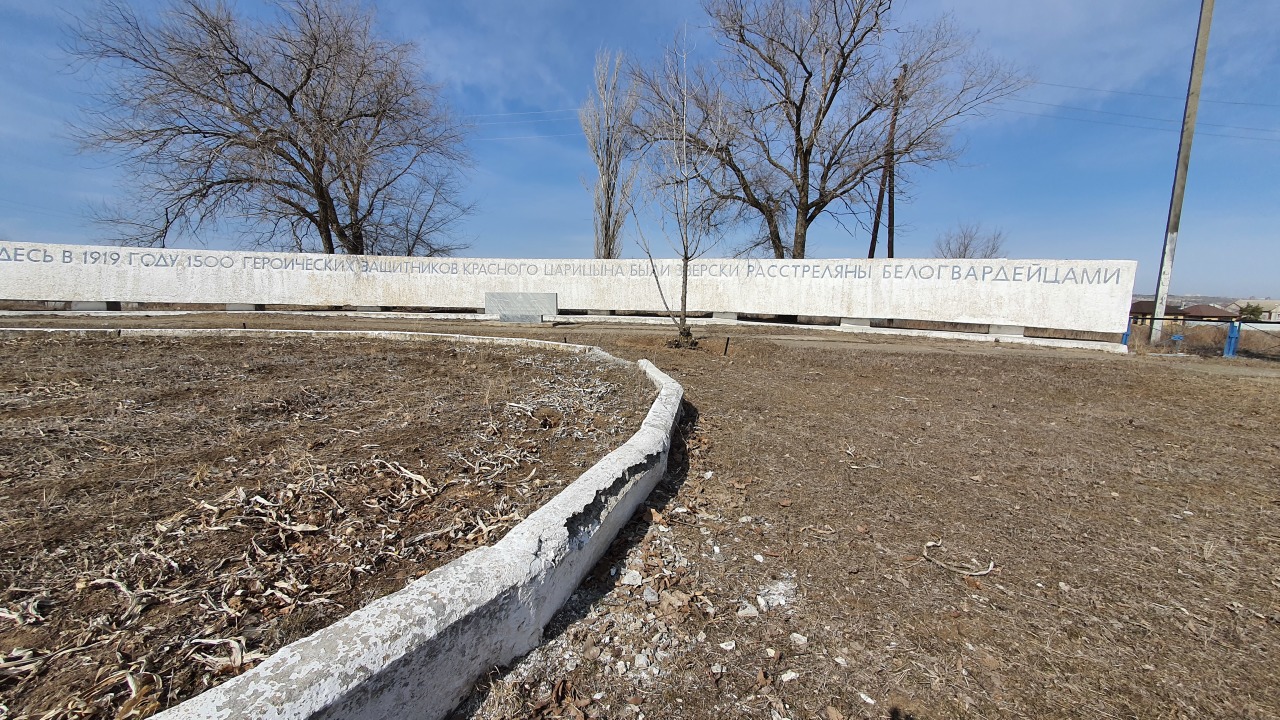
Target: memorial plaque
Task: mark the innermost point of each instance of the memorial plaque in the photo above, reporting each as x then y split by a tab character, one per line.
520	307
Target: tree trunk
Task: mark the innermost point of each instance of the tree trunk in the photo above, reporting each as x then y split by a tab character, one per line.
875	219
686	337
355	242
775	235
324	225
801	233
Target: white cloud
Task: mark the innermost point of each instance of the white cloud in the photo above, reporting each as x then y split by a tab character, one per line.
1142	45
496	55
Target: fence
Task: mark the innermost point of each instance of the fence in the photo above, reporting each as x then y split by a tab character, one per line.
1258	339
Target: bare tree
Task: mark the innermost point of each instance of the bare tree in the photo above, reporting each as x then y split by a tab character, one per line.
968	240
691	217
607	123
808	87
307	129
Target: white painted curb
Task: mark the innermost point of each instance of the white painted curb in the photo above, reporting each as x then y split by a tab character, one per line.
416	653
1099	345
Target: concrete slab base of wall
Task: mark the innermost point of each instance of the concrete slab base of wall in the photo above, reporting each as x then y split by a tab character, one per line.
477	314
475	317
817	320
604	313
88	305
636	320
724	315
628	320
984	337
368	308
858	322
854	328
1015	330
245	307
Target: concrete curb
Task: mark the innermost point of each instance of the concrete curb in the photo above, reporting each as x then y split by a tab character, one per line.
416	653
902	332
276	333
1098	345
379	315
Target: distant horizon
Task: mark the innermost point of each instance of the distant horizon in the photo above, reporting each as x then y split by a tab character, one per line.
1176	297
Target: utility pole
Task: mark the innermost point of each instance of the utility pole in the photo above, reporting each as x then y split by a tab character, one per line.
1180	174
886	175
897	101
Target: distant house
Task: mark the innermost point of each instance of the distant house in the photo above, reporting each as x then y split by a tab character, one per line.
1208	312
1270	308
1141	311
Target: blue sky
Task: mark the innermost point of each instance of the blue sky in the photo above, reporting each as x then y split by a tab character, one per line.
1079	165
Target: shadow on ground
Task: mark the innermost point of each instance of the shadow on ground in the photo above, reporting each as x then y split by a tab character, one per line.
604	576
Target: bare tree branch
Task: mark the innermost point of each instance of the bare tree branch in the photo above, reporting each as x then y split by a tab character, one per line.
968	240
607	121
307	130
805	90
676	170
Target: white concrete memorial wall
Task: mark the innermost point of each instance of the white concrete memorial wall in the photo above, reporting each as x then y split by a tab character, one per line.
1088	295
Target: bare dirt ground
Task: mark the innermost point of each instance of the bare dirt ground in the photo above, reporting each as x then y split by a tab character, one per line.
856	525
174	510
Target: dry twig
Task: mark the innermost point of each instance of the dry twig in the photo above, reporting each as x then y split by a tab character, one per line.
971	572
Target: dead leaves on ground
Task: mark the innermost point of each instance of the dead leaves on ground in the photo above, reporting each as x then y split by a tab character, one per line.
280	533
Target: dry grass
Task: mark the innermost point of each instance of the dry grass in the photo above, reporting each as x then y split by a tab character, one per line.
1129	505
175	511
1127	509
1257	341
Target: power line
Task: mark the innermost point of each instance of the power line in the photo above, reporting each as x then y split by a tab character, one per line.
1141	117
532	137
530	112
1084	120
1151	95
1128	125
36	209
527	122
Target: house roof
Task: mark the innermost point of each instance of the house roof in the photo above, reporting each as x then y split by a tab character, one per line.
1144	307
1207	311
1266	304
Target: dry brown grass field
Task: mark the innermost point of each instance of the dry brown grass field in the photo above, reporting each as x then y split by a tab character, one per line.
174	510
858	525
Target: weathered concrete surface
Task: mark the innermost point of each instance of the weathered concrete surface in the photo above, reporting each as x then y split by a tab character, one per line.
853	325
416	653
520	306
1062	294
